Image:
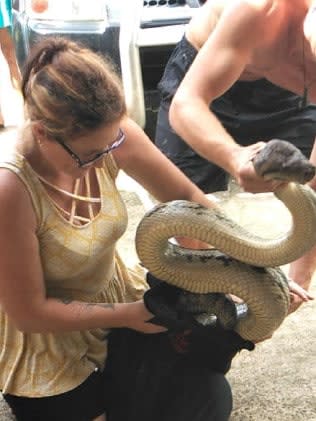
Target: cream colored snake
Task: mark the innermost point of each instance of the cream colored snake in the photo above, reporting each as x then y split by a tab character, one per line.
240	263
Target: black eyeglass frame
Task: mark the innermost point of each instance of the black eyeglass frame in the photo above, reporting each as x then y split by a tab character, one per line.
82	164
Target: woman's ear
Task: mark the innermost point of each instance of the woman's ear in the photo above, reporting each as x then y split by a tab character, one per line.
39	131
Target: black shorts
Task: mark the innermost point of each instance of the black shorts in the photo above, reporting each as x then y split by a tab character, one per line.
250	111
84	403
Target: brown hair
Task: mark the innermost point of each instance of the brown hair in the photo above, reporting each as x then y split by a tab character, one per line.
70	89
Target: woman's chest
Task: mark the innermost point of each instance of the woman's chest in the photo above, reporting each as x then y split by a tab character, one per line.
70	253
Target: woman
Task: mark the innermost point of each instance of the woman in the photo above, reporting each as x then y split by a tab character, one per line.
63	286
62	283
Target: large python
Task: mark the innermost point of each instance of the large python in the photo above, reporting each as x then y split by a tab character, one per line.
240	263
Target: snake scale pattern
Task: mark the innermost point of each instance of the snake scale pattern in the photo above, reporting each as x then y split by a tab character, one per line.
240	263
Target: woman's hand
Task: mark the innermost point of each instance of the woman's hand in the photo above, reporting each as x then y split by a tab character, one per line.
298	296
139	319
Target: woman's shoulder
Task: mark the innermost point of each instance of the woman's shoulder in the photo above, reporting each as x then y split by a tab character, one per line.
14	190
11	160
17	181
9	147
12	166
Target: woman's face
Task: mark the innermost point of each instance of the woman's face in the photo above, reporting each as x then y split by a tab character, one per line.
89	149
78	154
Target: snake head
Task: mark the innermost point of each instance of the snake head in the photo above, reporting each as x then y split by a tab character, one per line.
281	160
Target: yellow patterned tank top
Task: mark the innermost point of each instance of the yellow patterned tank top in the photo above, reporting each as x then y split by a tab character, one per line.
79	262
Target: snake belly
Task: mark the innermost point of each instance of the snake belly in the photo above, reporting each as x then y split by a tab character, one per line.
240	263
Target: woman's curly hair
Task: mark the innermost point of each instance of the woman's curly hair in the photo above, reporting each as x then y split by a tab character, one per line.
70	89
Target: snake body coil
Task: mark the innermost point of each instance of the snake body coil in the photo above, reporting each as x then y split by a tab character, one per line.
241	263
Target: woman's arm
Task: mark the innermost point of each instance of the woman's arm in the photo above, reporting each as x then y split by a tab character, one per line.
23	295
139	158
144	162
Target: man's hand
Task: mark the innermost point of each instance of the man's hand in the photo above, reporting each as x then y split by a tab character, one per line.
298	296
245	173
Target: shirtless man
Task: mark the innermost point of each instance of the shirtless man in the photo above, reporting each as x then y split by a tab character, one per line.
245	72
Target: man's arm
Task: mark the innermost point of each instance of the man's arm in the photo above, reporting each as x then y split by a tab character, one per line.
217	66
302	270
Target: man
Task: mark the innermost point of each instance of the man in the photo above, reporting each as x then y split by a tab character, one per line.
253	61
243	73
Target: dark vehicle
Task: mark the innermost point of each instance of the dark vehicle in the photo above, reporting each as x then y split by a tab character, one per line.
137	35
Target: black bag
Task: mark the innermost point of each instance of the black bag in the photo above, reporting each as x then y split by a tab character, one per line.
213	346
140	366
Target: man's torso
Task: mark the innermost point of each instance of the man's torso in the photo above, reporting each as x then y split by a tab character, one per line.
283	57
